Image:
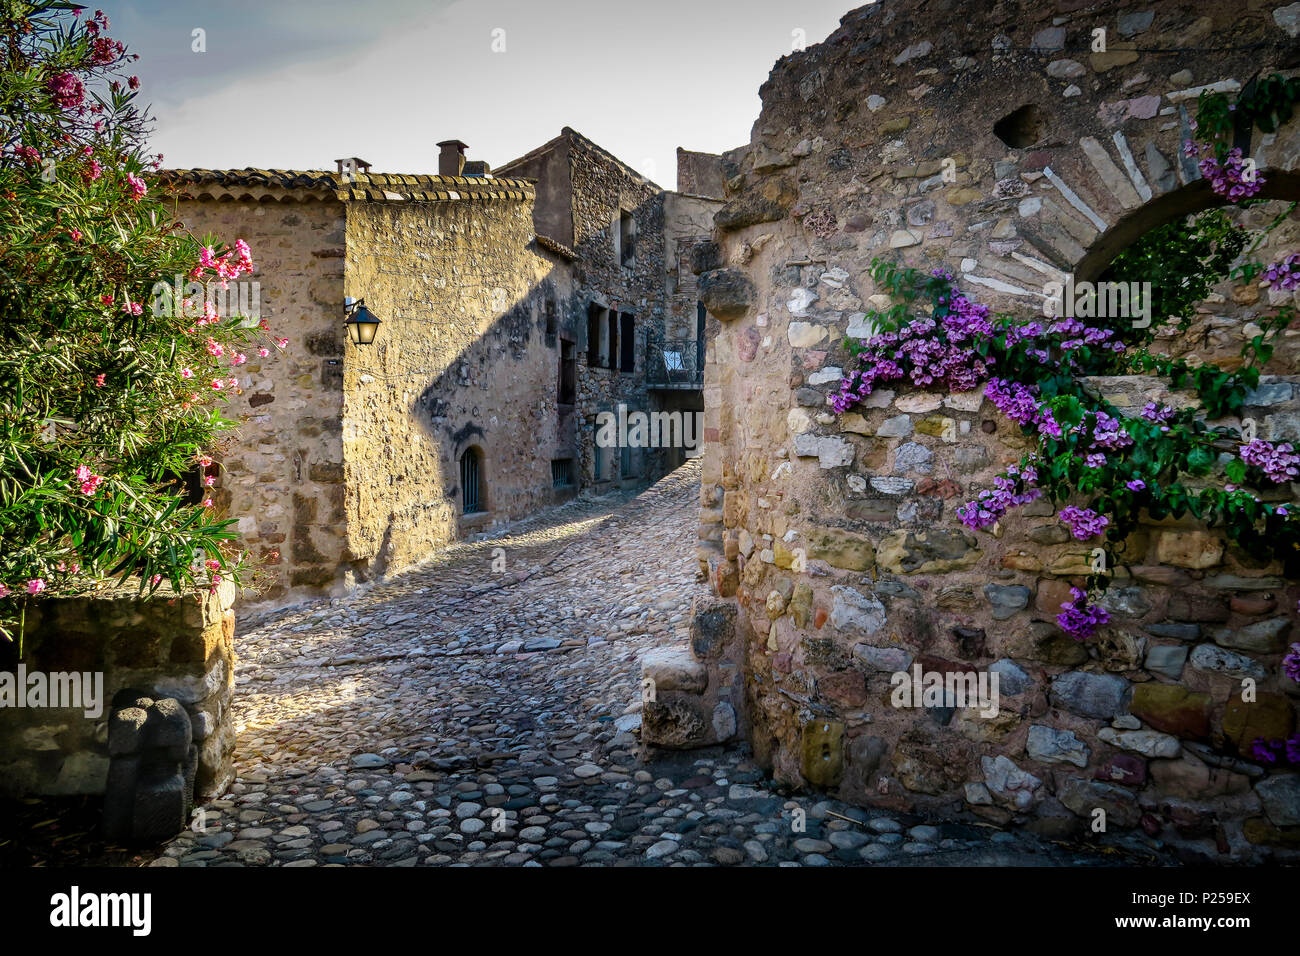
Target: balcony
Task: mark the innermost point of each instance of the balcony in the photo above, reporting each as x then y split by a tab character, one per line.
674	363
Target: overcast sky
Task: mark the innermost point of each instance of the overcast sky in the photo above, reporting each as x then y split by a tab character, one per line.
298	84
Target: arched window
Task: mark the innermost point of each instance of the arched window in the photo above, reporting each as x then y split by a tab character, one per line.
471	481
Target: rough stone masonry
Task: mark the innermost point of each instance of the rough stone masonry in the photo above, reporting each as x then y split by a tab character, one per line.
831	543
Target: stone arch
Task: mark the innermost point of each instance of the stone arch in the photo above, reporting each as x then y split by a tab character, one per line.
1192	198
834	537
472	475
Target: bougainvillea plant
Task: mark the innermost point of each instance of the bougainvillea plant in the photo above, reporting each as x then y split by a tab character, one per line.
111	391
1105	469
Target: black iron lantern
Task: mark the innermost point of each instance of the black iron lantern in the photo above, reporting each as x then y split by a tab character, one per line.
361	323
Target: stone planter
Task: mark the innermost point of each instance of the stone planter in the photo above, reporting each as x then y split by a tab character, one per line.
84	651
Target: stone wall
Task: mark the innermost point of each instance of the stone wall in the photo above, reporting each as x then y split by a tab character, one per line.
1000	147
604	187
179	647
281	473
461	361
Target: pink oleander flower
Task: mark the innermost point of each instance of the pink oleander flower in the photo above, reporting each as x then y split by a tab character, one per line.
204	461
217	384
99	379
35	586
207	502
263	352
88	480
138	187
4	591
283	343
155	580
28	155
209	481
187	373
66	90
75	234
233	382
239	359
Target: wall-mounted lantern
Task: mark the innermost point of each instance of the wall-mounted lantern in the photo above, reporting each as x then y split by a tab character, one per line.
360	322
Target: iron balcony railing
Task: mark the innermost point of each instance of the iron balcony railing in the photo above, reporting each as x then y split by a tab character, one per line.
674	363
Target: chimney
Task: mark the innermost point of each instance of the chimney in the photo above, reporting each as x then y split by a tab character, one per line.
451	159
354	164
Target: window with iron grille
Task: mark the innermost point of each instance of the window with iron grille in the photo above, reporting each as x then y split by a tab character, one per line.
471	478
562	473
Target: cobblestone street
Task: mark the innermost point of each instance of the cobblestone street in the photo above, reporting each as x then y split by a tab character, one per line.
464	715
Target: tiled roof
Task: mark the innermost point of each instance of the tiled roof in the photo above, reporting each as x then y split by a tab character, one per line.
572	135
321	184
559	248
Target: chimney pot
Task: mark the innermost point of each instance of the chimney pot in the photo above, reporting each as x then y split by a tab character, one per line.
451	157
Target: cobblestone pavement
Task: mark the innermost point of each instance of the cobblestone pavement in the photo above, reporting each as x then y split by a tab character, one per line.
464	715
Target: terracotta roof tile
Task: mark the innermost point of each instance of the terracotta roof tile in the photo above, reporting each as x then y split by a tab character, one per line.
376	187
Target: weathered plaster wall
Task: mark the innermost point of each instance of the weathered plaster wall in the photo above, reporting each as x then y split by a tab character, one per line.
281	473
846	163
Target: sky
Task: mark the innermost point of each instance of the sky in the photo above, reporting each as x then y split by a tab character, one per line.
296	84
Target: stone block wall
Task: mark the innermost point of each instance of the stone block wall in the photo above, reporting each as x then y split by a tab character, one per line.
281	474
835	538
602	187
178	647
461	360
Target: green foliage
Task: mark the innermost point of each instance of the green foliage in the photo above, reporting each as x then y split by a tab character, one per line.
1264	103
111	394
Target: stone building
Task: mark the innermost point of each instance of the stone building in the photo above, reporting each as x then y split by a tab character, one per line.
514	309
1004	148
637	334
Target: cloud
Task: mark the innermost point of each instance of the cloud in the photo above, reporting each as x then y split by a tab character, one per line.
297	85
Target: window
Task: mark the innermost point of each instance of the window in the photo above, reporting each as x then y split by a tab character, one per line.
567	391
625	462
611	343
626	239
471	481
627	342
562	473
597	336
551	323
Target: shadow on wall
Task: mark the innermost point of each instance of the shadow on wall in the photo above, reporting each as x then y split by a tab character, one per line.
496	395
